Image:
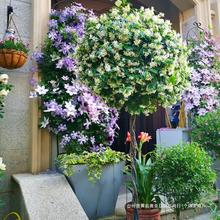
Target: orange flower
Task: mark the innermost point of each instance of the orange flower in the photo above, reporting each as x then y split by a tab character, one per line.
144	137
128	138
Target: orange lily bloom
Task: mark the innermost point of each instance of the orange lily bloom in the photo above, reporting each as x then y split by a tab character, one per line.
144	137
128	138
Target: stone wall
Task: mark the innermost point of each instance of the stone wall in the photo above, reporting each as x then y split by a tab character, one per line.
15	127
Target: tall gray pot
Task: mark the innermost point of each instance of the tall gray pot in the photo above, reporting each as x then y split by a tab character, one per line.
216	167
97	199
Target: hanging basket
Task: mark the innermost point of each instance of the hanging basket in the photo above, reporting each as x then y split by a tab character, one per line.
12	59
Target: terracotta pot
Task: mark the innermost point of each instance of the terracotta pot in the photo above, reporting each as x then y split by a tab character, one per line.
143	213
12	59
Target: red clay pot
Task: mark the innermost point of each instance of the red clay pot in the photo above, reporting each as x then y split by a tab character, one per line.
143	213
12	59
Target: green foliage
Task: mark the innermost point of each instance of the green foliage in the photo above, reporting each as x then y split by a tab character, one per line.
206	131
184	175
141	183
94	162
14	45
214	211
133	59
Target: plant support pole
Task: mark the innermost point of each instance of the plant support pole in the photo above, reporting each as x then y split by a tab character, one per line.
133	144
133	148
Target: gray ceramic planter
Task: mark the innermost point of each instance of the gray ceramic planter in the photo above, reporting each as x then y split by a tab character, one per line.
216	167
97	199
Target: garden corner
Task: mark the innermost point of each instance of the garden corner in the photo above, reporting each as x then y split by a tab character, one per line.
109	110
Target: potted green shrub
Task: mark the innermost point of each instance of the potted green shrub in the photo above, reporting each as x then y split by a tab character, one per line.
96	178
184	176
134	60
205	131
84	125
13	52
141	185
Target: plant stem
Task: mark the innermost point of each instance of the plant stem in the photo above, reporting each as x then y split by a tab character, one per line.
133	148
133	145
177	214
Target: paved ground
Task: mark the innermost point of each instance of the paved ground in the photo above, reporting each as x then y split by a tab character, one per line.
202	217
166	212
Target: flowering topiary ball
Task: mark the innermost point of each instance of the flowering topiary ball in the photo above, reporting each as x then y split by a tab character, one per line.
133	59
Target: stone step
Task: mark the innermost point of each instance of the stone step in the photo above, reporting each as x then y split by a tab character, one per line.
49	197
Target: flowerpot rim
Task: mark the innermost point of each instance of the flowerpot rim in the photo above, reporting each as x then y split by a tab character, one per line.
5	50
108	164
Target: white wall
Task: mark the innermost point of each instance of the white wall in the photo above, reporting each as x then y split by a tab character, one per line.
15	127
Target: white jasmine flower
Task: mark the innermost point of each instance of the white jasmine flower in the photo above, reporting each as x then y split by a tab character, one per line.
137	42
127	8
4	92
4	78
107	67
98	26
103	17
2	165
118	3
115	44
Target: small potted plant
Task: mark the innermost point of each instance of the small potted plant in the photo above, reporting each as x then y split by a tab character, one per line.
184	176
13	52
96	178
4	90
145	197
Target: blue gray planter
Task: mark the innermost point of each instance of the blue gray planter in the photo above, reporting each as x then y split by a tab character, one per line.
97	199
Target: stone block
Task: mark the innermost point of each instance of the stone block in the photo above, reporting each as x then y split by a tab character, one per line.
49	197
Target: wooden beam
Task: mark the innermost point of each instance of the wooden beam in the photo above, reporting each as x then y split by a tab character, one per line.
183	5
40	139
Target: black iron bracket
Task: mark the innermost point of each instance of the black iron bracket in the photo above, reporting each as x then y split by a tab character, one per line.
9	12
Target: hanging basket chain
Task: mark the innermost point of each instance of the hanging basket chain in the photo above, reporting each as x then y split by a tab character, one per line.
16	28
10	21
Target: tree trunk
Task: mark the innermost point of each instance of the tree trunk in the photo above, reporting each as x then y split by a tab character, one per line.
133	148
133	145
177	214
